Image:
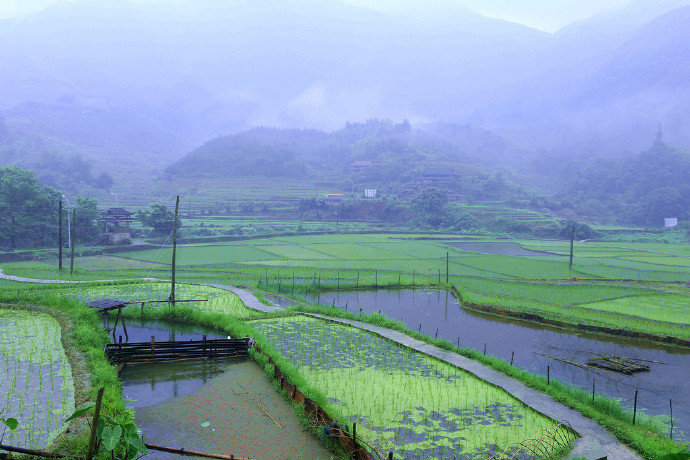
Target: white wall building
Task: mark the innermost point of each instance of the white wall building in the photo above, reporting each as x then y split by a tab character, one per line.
670	222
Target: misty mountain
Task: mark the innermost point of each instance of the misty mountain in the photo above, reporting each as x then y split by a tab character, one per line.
218	67
642	189
150	80
615	107
53	163
273	152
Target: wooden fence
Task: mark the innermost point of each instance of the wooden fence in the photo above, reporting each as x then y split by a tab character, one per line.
119	353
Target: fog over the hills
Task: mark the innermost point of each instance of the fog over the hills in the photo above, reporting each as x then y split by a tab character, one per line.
163	77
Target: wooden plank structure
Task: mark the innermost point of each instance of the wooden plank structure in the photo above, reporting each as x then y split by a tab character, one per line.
106	305
619	364
142	352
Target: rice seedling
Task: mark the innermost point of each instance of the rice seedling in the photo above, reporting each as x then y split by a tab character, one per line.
403	401
36	385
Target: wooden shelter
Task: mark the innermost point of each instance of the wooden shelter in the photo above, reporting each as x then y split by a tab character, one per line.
116	220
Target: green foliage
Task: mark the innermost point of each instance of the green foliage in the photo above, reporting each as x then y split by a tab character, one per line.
582	231
238	155
114	436
86	219
159	218
28	210
640	189
433	210
10	423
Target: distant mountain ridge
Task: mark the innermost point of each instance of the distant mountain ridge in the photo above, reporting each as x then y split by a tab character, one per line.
151	80
274	152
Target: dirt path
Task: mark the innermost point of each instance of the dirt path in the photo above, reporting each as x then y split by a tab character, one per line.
44	281
249	299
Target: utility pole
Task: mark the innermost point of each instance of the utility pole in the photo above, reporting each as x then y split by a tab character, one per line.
177	209
60	235
74	230
572	239
447	268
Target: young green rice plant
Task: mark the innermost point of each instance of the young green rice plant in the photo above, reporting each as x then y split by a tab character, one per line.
402	401
36	386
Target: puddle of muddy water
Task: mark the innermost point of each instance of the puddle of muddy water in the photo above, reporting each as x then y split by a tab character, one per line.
533	347
212	406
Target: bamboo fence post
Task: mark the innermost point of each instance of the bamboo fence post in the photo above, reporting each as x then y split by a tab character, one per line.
548	375
670	405
74	230
60	235
94	425
177	209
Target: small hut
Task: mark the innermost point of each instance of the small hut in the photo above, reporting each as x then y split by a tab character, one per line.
116	222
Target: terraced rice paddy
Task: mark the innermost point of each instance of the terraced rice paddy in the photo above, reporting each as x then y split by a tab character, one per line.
217	300
403	401
624	285
36	385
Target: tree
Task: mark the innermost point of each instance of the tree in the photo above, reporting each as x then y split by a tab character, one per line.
582	231
431	207
87	219
28	210
660	203
104	181
159	218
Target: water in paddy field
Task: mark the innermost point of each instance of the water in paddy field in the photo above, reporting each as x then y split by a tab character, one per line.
535	347
140	330
216	407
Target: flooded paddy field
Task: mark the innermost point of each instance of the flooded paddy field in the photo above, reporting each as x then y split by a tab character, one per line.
533	348
223	407
403	401
36	383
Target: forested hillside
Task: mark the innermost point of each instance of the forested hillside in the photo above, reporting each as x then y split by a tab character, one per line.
54	163
641	189
272	152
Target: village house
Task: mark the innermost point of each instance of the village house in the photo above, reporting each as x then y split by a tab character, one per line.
116	226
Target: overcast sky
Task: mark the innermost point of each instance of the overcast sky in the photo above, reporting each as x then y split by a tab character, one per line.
549	15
